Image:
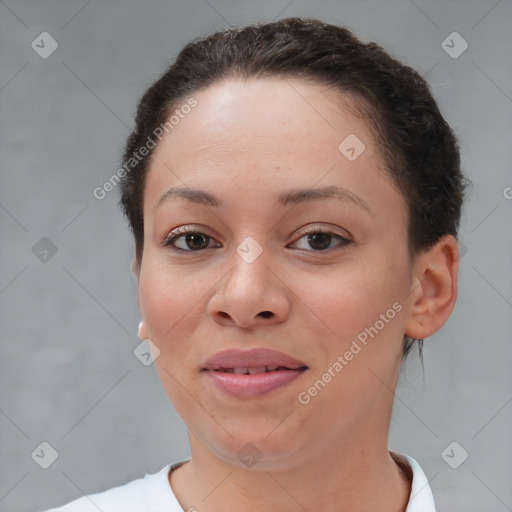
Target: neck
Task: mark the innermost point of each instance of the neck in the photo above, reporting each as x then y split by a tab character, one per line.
345	478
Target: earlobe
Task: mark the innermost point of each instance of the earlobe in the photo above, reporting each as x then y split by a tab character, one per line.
433	289
135	268
142	332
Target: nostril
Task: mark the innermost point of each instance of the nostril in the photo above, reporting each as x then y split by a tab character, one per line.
266	314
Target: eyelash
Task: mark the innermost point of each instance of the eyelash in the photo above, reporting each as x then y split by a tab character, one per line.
182	231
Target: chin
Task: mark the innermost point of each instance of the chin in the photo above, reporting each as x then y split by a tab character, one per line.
259	452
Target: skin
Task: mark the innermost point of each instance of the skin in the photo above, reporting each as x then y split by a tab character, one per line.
246	142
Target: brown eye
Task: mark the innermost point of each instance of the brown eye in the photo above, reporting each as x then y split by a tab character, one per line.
189	241
322	241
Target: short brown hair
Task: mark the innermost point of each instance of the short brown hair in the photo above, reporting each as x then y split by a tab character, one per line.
417	145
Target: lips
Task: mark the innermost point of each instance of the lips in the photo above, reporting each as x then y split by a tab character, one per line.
252	370
252	361
252	373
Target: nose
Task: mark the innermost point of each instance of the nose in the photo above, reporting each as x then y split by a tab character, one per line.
252	294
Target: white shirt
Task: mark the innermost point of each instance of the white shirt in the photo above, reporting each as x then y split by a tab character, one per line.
154	494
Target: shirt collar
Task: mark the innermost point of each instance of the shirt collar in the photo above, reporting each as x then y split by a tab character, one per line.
420	498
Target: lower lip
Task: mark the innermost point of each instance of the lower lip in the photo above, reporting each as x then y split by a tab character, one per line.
252	386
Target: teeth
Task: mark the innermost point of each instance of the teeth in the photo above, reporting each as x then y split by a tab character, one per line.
258	369
244	370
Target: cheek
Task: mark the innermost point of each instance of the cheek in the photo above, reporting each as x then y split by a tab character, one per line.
169	303
346	301
362	307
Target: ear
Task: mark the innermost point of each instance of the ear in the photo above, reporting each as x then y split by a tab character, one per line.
135	268
433	288
142	331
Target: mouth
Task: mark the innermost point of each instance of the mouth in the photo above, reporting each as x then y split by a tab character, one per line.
254	370
252	373
256	360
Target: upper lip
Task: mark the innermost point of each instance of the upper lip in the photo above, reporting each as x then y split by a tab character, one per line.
257	357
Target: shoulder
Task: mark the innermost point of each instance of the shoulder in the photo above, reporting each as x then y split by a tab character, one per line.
147	494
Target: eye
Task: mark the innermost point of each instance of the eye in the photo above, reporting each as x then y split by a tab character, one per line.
321	239
188	239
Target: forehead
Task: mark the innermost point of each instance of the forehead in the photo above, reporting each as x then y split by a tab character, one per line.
260	135
277	111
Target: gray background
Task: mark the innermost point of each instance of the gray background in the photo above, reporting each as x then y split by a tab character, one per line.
69	324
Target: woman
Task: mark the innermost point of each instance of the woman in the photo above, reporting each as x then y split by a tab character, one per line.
294	196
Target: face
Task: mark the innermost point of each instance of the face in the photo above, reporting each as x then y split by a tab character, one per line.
320	277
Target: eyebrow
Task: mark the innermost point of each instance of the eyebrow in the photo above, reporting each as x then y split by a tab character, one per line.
294	196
